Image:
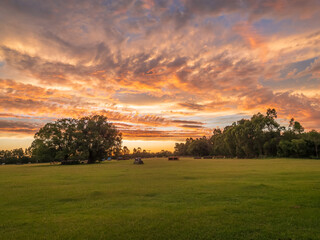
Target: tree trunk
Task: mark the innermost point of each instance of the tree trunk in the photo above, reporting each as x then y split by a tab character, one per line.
91	157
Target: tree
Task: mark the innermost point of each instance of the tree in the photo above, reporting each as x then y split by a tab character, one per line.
299	147
14	156
42	152
126	150
258	136
270	146
89	137
230	148
295	126
180	149
55	139
17	153
96	137
217	142
285	148
200	147
314	137
216	131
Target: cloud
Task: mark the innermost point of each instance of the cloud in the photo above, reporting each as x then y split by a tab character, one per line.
18	127
255	9
187	122
288	104
158	135
313	69
192	106
158	69
191	126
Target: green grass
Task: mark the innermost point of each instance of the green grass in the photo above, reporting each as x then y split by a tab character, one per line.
186	199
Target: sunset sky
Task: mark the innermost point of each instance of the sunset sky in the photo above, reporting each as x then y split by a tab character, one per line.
160	70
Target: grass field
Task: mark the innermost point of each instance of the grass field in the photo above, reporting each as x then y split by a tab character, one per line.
186	199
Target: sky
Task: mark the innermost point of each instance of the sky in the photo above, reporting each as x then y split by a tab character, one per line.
160	70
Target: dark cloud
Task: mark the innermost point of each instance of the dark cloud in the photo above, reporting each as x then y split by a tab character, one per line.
255	9
19	126
187	122
191	126
192	106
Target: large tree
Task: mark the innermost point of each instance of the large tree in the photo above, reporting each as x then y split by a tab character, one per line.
97	137
55	140
89	137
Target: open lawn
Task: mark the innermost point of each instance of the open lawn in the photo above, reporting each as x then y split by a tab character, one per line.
186	199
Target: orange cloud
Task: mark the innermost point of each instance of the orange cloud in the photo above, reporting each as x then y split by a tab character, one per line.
253	39
157	69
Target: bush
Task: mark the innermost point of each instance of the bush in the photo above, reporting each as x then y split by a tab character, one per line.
70	162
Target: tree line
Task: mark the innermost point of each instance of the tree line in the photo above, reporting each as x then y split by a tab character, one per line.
259	136
139	152
15	156
90	138
20	156
93	138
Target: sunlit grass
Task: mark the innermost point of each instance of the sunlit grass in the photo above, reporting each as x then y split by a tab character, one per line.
186	199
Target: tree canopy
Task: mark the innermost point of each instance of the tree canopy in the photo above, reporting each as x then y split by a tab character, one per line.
89	138
259	136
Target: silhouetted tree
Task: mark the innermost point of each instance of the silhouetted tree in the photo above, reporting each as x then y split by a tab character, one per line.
96	137
258	136
89	137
